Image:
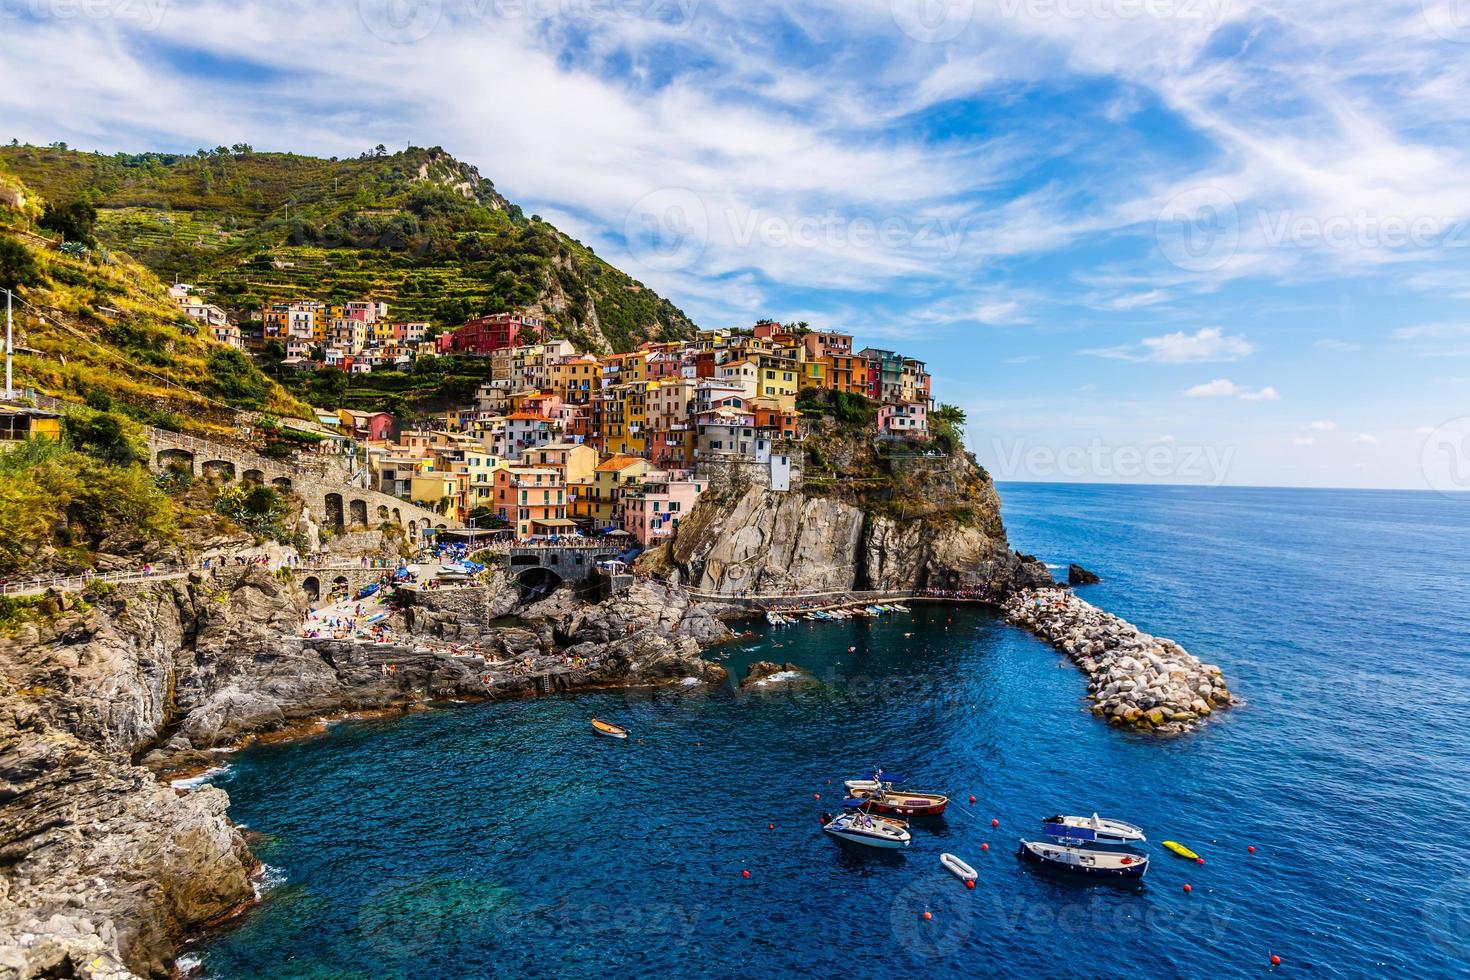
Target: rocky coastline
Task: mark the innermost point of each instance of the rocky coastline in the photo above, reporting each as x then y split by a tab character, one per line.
106	866
1135	680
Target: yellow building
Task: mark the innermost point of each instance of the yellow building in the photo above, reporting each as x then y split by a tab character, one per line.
577	378
22	424
614	477
778	379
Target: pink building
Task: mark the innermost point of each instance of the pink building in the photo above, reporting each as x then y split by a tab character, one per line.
904	420
652	513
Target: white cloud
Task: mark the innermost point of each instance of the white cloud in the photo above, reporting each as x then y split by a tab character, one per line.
1366	439
1304	441
1338	345
1205	344
1225	388
1322	425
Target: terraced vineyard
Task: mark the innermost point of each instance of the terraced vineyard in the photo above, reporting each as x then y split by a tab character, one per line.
418	230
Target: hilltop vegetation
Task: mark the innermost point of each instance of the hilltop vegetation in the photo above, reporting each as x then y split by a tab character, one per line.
418	230
96	327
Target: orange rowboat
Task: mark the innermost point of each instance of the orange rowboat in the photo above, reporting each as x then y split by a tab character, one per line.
609	729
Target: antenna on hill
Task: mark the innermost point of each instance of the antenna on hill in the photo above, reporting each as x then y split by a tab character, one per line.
9	350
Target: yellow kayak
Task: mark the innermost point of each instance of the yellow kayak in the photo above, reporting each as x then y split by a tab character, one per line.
1181	850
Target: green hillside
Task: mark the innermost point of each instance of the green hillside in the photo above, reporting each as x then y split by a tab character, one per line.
95	326
418	230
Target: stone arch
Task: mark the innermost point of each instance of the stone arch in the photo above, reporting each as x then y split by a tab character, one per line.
221	469
357	512
312	586
282	483
441	527
340	586
175	458
413	531
397	517
253	476
382	513
334	515
535	584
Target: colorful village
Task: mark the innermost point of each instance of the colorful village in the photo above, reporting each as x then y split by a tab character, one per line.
560	441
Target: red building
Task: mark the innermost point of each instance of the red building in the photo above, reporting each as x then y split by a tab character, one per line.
486	334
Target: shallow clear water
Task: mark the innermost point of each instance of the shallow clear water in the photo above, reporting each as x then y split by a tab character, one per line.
491	839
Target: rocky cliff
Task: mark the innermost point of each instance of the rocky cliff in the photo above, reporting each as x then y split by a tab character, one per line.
102	867
927	523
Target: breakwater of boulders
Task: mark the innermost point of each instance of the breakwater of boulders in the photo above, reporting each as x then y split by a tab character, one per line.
1134	679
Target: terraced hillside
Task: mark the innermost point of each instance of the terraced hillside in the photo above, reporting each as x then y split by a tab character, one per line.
418	230
95	326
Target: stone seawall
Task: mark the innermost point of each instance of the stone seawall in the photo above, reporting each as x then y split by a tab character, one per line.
1141	681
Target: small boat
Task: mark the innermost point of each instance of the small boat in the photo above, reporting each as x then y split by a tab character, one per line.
1181	850
1093	828
878	791
609	729
857	827
1099	861
367	590
958	868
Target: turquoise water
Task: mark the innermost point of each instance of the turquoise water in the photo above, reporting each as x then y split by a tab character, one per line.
496	839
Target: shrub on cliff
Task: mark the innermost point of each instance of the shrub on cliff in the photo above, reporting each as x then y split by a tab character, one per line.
58	507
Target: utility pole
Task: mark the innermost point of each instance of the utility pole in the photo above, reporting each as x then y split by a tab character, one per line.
9	349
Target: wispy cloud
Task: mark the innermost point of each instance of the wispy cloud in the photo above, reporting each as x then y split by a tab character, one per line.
1206	344
1225	388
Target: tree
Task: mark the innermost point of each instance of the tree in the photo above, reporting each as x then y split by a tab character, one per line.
17	268
75	222
947	425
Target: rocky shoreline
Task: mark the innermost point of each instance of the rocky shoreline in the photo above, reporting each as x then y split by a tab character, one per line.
105	867
1135	680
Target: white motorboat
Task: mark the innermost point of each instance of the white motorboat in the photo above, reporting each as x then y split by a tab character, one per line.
1093	828
1103	861
958	868
856	827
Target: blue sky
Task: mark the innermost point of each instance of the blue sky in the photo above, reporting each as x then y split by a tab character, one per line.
1138	240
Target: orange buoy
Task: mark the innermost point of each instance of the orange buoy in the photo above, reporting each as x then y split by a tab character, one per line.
1275	960
816	796
970	883
745	874
984	847
770	826
995	823
1187	889
1252	848
928	915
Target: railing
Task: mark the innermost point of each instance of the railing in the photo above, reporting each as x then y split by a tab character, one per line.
78	583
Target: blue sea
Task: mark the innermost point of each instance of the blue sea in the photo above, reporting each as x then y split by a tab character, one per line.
502	839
